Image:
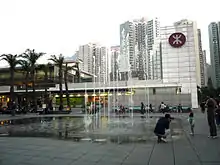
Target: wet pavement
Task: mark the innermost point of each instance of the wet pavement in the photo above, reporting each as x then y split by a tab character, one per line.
94	145
87	128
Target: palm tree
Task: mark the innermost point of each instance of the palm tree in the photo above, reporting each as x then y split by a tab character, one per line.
26	68
66	70
59	62
31	56
51	71
13	61
77	72
46	69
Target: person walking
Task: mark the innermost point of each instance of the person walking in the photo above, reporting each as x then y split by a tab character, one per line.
211	106
150	108
162	107
142	109
180	109
191	123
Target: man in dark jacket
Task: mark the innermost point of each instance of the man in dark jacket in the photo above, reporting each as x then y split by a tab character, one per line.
161	126
211	106
180	109
142	108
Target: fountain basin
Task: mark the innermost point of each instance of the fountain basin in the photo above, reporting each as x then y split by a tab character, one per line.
88	128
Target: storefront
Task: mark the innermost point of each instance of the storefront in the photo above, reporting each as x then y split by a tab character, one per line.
4	101
75	100
80	99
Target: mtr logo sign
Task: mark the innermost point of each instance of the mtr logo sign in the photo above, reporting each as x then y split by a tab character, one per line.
177	40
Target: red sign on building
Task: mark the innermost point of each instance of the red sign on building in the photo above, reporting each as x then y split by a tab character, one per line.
177	40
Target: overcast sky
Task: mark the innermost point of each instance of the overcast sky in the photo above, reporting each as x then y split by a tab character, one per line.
60	26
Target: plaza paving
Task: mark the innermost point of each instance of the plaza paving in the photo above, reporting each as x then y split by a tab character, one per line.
186	150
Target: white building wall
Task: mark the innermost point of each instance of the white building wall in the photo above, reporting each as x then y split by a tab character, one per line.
182	64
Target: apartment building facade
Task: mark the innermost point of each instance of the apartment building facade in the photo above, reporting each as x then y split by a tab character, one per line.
95	60
214	45
136	41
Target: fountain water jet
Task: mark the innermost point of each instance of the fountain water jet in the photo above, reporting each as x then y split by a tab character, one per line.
93	105
131	97
109	106
113	84
148	102
104	99
117	98
85	99
118	108
147	93
99	92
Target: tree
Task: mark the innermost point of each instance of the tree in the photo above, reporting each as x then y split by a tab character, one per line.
59	62
66	70
77	72
46	69
13	61
26	68
32	57
51	71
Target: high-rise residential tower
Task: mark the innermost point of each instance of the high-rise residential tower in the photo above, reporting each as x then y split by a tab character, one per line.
209	71
205	68
127	60
95	60
153	33
201	57
85	53
156	59
141	59
136	41
102	64
214	45
115	52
